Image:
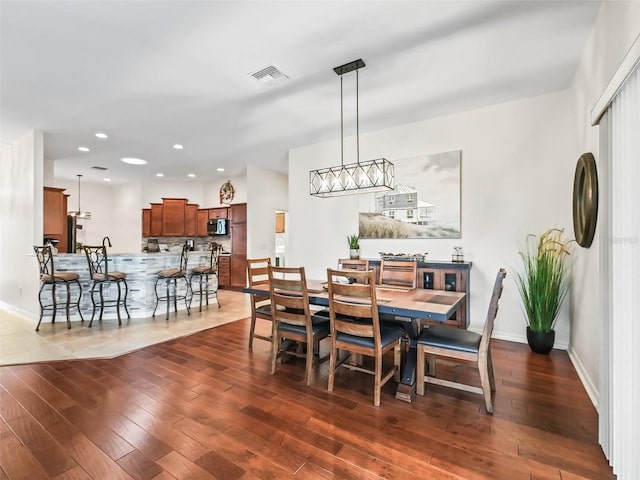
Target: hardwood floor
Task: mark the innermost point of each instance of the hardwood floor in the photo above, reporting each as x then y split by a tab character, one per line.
205	407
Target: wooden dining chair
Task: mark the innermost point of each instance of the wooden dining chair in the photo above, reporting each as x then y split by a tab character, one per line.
355	328
292	318
455	343
353	264
400	274
258	274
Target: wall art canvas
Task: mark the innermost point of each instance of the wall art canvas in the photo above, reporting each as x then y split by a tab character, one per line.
425	202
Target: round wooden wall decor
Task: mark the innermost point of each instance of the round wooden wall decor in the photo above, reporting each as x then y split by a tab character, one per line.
585	200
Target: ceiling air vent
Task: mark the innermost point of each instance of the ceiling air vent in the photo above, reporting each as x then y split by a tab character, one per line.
268	74
100	168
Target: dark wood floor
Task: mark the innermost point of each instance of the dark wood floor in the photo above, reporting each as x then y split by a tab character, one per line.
205	407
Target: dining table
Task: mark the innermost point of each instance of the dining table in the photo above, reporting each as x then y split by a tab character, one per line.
405	306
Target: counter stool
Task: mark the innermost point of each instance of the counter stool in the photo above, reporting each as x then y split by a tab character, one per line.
170	277
202	272
98	261
48	276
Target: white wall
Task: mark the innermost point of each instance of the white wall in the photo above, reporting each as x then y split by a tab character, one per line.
516	179
21	177
617	26
267	192
212	191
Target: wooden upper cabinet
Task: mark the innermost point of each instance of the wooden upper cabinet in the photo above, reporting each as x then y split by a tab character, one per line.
203	218
279	222
191	220
173	215
54	212
218	213
146	222
156	220
238	213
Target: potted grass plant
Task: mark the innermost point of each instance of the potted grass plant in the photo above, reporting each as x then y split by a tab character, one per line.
543	285
354	246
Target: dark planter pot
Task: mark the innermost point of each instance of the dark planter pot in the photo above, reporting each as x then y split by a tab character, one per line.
541	342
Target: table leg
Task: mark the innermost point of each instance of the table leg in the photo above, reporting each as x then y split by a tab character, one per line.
406	390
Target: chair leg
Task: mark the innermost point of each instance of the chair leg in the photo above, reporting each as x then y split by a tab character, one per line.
216	291
332	364
68	285
55	302
420	371
200	277
93	301
309	360
168	298
275	346
41	306
378	377
484	380
101	301
397	359
186	295
431	365
252	329
492	380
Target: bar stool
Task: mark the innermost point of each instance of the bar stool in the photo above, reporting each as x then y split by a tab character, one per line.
48	276
98	261
171	277
202	273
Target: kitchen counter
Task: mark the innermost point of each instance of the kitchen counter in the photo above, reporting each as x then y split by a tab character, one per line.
141	270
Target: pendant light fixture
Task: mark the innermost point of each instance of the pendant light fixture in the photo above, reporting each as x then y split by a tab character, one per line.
79	214
360	177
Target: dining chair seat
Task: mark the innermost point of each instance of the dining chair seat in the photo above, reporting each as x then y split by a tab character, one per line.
441	336
202	269
318	327
172	272
60	277
388	336
101	277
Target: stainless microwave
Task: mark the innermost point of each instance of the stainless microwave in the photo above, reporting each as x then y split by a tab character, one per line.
218	226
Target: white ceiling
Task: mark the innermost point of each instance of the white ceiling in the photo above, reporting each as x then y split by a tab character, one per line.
154	73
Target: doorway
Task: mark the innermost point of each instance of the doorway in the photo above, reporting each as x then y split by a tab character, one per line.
281	238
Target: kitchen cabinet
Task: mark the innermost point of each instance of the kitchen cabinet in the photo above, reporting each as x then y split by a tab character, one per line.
224	270
238	220
191	220
280	222
54	210
218	213
173	215
203	218
156	220
146	222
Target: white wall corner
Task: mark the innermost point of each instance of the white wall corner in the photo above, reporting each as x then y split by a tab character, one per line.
589	386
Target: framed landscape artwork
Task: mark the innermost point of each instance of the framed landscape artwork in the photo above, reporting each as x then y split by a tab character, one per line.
425	202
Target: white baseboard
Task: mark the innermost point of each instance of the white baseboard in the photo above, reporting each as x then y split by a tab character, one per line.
591	389
17	311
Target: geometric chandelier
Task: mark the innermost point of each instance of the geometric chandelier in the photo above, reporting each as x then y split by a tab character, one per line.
354	178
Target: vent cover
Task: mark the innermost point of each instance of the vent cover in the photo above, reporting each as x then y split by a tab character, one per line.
100	168
268	74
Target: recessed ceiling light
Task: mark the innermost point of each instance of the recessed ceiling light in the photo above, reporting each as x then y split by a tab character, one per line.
134	161
220	169
83	149
107	179
159	174
177	146
101	135
191	175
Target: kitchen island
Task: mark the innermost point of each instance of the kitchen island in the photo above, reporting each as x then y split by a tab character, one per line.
141	270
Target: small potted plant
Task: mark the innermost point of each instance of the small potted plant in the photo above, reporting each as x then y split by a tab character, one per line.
354	246
543	285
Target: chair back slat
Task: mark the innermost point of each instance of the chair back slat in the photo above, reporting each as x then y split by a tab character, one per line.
98	260
398	273
44	255
493	309
353	308
184	258
288	288
353	264
258	271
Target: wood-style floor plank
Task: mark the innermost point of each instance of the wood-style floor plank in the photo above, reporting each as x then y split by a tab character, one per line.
206	407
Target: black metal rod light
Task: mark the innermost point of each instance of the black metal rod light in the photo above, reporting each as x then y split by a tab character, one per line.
353	178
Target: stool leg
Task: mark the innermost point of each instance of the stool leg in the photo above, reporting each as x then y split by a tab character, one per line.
93	301
126	293
101	301
68	285
168	298
77	282
216	291
186	294
118	304
55	303
41	305
200	292
155	288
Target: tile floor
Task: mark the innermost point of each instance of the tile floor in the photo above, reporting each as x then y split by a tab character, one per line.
20	343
